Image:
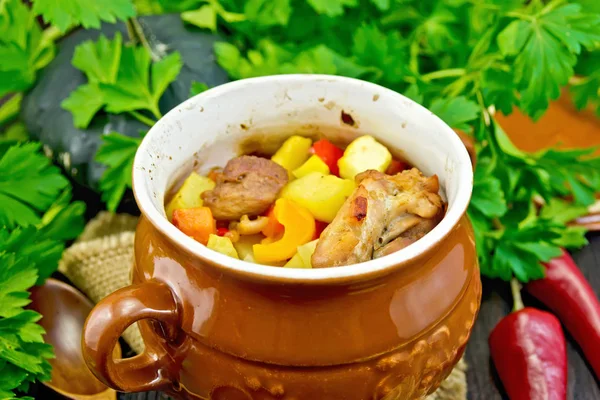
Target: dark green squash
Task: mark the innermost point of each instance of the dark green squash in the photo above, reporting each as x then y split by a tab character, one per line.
74	148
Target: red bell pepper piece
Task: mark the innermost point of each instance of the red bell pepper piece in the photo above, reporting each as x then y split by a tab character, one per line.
529	351
221	231
568	294
395	167
329	153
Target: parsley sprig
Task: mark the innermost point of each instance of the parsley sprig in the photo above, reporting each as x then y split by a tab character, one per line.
36	218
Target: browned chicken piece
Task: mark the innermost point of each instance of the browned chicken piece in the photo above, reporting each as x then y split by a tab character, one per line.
247	186
384	214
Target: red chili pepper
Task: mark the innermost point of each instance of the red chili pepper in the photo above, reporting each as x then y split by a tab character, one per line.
222	231
395	167
529	351
329	153
568	294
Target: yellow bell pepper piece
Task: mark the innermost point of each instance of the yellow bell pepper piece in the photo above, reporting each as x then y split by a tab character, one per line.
362	154
306	251
313	164
188	196
293	152
322	195
295	262
299	227
222	244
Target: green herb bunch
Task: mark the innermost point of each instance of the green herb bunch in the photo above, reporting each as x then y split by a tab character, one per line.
463	59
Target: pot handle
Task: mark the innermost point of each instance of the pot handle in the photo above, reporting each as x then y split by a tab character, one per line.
150	370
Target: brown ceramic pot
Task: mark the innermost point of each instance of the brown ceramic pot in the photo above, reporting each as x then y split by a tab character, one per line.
223	329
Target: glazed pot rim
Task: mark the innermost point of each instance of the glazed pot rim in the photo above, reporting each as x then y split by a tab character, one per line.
356	272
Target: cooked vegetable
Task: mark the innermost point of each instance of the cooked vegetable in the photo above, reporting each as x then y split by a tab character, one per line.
195	222
222	231
222	245
313	164
322	195
273	227
295	262
299	227
329	153
306	251
293	153
244	246
529	351
362	154
569	295
188	196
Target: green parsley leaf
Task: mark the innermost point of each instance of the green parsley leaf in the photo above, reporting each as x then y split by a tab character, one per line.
23	355
132	89
544	44
99	60
84	102
120	79
67	13
29	184
385	53
197	88
456	112
331	8
117	153
268	13
204	17
24	48
488	196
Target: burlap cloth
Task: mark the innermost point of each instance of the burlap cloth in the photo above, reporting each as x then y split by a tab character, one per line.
100	262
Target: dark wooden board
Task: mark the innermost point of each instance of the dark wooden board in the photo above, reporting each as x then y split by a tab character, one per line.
496	303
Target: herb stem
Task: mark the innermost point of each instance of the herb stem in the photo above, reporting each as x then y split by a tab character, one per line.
136	34
515	288
443	73
142	118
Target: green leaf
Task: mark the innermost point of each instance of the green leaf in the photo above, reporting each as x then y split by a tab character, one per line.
572	237
24	48
197	88
204	17
29	184
331	8
267	13
456	112
382	5
488	196
84	102
544	45
99	60
117	153
562	211
384	52
132	89
67	13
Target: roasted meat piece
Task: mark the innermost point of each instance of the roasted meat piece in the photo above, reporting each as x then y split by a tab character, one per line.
384	214
247	186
